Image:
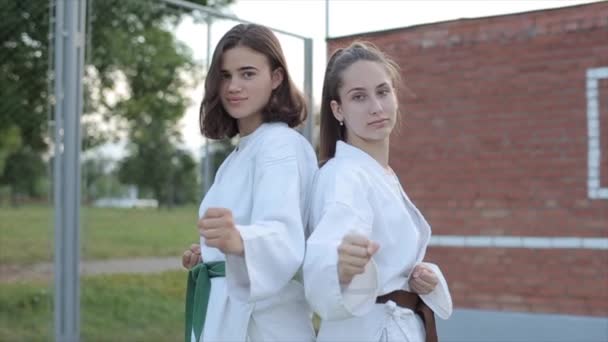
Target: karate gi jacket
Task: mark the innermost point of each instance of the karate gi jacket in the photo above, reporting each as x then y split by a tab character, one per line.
354	193
266	183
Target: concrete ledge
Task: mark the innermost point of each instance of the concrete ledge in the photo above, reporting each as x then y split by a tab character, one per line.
496	326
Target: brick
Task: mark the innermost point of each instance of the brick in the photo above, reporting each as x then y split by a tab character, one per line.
493	141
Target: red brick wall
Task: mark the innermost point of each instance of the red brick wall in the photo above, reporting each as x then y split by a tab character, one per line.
565	281
494	142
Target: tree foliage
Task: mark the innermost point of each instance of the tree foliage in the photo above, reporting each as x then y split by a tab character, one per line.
131	46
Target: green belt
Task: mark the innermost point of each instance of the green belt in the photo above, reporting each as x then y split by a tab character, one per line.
197	295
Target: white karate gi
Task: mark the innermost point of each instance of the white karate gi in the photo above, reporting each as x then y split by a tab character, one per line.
265	182
354	193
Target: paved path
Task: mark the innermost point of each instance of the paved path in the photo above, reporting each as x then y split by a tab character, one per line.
44	271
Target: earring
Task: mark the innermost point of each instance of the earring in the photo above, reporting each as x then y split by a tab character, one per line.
341	123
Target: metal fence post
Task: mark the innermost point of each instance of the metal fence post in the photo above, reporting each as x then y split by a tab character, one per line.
69	60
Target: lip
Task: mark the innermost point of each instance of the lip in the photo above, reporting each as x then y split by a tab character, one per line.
378	122
235	100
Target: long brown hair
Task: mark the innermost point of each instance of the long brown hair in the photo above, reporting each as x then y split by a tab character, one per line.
286	103
340	60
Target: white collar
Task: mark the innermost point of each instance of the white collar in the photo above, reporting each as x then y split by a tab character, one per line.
244	141
345	150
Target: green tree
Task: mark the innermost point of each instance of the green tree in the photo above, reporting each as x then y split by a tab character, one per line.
155	69
23	171
10	141
218	151
128	41
155	163
23	88
99	178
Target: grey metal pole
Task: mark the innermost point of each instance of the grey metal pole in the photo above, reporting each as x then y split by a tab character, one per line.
326	19
69	60
207	160
310	121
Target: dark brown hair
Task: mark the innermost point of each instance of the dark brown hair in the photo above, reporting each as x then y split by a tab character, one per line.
286	103
340	60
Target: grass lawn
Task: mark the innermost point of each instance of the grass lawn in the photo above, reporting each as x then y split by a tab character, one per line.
120	307
26	233
113	308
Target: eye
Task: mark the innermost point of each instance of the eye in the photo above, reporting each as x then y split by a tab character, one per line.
384	92
248	75
358	97
225	76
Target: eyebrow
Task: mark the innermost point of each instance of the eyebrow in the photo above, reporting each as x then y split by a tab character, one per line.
355	89
244	68
383	84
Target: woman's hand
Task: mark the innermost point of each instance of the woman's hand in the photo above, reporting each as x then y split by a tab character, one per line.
218	228
423	280
192	256
354	253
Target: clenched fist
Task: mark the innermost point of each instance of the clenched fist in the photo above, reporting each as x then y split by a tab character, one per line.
354	253
192	256
423	280
218	228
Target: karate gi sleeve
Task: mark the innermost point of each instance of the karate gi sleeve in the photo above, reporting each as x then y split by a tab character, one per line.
274	241
340	207
439	300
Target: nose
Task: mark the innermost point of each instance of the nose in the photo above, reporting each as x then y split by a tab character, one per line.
376	106
233	85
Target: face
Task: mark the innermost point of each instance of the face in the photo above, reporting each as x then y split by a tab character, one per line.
247	83
368	106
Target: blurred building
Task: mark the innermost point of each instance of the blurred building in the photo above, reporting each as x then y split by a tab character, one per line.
132	200
504	147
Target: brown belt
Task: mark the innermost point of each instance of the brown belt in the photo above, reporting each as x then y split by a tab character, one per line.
413	302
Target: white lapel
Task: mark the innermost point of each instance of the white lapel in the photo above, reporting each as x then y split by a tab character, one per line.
346	150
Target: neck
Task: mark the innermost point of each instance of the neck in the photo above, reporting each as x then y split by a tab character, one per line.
379	150
249	124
